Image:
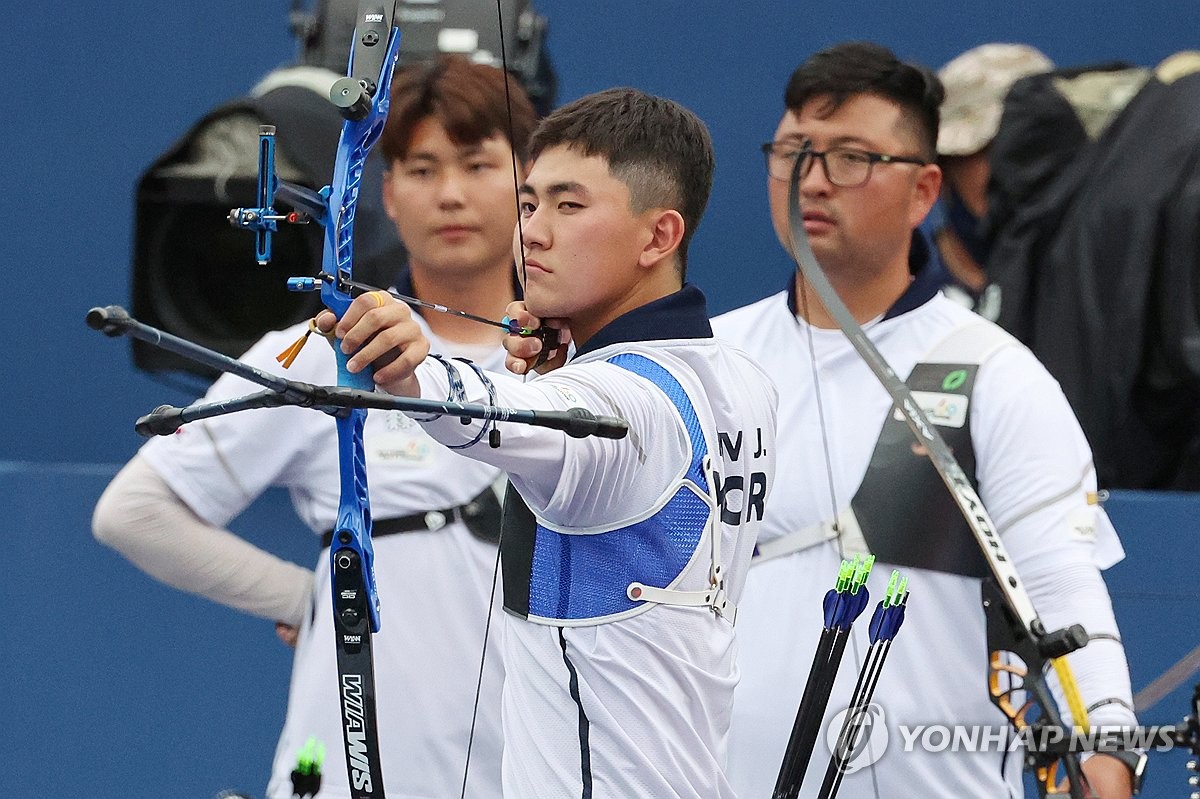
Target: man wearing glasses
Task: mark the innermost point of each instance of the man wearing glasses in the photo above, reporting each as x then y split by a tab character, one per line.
863	126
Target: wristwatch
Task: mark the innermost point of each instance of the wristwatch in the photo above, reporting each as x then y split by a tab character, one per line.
1135	761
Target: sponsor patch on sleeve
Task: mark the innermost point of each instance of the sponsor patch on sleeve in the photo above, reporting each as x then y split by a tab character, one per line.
1081	524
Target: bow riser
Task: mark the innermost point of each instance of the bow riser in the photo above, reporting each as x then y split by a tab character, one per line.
342	195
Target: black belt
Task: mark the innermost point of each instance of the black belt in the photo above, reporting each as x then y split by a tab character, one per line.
481	516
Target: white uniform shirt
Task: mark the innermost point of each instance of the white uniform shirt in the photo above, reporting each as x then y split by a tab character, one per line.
637	707
433	585
1033	469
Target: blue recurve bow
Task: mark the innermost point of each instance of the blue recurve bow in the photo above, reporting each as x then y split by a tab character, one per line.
362	97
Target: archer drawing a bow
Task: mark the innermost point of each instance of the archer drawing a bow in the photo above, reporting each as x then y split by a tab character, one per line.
363	98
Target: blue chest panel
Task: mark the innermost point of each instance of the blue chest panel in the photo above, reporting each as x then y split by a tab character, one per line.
586	576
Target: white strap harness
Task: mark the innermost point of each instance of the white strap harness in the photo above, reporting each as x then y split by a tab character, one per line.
714	596
974	342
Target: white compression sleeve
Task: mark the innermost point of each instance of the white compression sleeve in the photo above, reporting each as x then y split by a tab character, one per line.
1100	668
142	518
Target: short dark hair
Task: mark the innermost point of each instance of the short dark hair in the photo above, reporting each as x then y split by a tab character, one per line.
656	147
852	68
468	99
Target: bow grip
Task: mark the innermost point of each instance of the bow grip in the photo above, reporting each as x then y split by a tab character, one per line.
364	380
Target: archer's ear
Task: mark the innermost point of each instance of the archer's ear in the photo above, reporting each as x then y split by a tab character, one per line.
666	234
925	192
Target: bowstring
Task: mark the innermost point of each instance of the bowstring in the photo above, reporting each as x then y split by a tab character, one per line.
487	626
512	143
812	354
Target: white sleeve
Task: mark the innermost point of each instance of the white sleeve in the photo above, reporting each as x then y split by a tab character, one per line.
1071	592
142	518
575	482
1036	478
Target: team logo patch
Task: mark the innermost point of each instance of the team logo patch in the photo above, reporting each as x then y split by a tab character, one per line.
394	447
401	440
954	380
943	409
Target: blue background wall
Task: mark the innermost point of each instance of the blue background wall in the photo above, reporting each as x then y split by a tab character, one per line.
114	686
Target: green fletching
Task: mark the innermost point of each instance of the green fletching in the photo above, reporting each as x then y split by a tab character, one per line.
897	590
889	598
862	572
311	757
845	573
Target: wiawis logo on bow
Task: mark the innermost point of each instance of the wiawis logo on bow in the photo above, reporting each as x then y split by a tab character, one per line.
356	733
374	16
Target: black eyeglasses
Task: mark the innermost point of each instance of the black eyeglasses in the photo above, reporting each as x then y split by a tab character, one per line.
847	167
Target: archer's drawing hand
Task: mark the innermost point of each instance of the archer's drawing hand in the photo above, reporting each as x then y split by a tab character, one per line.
380	332
525	353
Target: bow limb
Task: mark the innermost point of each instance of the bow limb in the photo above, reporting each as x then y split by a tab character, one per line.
1012	588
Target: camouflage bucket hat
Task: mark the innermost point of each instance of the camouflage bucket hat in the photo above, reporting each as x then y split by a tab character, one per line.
976	83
